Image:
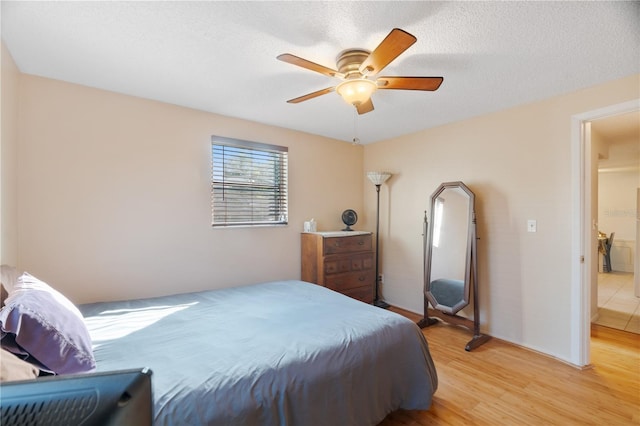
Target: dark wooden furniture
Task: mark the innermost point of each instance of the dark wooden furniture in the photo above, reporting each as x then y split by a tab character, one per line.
341	261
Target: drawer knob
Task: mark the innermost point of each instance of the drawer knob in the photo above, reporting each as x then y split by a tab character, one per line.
361	242
361	278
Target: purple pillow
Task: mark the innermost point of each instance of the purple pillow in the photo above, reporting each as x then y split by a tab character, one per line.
40	322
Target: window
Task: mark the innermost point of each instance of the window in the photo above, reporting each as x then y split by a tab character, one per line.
249	183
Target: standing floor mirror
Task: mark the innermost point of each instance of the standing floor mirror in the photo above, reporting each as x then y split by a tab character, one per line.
450	260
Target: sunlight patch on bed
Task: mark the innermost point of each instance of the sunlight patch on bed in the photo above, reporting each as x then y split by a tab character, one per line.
116	324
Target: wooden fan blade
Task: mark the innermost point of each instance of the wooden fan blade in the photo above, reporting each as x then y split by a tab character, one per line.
396	42
410	83
295	60
365	107
311	95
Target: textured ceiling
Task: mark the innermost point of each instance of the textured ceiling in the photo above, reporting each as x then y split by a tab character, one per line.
221	56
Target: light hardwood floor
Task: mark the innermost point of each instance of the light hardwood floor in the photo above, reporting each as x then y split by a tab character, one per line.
503	384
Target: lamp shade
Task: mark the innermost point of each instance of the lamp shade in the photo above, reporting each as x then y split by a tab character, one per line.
356	91
378	178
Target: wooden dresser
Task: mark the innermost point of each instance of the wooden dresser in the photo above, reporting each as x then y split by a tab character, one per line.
342	261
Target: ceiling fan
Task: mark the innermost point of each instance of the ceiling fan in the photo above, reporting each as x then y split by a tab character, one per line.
357	69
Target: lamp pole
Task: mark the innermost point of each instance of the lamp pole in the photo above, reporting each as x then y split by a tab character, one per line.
378	178
377	302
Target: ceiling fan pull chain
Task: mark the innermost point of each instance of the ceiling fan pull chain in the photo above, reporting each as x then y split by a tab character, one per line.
356	139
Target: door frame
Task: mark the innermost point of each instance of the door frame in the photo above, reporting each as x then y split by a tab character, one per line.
581	228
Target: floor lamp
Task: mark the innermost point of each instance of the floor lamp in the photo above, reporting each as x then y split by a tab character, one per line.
378	178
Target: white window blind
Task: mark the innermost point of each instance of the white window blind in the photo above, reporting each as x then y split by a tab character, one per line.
249	183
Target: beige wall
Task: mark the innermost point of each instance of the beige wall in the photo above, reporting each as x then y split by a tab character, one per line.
115	200
518	163
9	161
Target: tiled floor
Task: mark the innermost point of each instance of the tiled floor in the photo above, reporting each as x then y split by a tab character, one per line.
617	305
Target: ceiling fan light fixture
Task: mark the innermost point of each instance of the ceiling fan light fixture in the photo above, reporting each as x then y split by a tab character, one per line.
356	91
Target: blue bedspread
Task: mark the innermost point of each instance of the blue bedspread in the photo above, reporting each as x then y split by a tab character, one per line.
279	353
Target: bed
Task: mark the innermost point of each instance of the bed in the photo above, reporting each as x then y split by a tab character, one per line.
277	353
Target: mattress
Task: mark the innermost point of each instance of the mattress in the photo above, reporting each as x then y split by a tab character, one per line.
276	353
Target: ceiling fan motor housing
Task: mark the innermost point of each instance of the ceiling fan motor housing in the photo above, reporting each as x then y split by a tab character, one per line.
349	61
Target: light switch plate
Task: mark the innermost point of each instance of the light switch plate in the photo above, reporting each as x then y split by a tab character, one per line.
532	225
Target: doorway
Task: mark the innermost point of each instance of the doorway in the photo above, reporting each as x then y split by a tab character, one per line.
584	228
616	142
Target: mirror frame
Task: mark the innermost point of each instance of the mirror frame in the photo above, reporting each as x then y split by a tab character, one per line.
440	312
468	252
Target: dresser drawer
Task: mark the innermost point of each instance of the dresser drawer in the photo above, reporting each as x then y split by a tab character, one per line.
354	262
335	266
349	280
363	294
335	245
362	262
